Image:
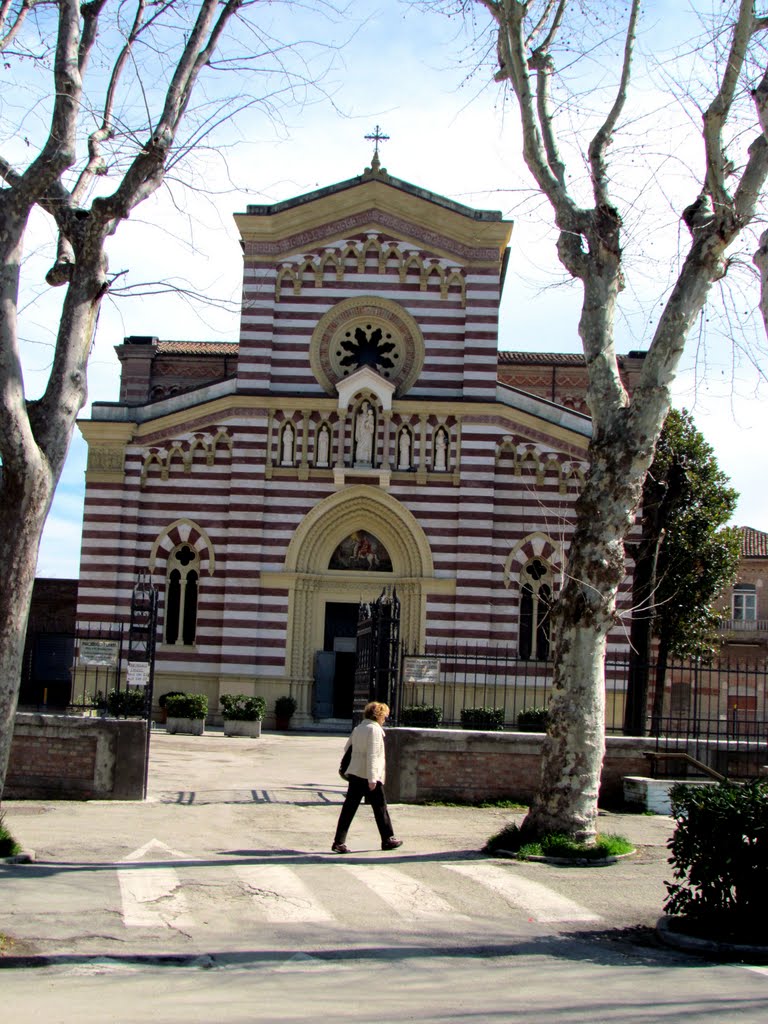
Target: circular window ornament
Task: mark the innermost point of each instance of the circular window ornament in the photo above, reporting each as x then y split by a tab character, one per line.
367	331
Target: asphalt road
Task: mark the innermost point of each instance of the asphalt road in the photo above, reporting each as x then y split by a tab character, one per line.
218	899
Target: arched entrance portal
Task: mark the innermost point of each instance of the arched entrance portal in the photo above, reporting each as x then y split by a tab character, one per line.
350	547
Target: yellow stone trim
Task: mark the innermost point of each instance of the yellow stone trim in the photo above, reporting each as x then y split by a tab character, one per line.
373	196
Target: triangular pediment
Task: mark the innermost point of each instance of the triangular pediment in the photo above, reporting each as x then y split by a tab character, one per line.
365	379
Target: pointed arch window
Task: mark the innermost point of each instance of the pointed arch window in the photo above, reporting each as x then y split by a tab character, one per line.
535	607
181	596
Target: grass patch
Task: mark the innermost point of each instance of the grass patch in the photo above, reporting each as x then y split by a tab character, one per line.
511	840
8	845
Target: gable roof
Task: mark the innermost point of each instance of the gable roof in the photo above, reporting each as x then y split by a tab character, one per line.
754	543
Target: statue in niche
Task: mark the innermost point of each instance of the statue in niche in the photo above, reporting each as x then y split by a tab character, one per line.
323	445
440	451
287	459
405	450
364	428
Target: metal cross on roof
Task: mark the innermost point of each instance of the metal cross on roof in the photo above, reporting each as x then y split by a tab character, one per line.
376	137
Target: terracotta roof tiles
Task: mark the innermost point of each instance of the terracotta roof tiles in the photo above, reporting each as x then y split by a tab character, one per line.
754	543
207	348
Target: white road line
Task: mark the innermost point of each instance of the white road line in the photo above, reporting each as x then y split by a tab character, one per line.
539	901
151	898
280	894
406	896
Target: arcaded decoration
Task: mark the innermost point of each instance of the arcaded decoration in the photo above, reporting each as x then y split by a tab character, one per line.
361	551
346	258
180	456
367	332
528	460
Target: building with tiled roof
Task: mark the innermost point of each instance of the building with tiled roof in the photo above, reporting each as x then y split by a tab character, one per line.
745	604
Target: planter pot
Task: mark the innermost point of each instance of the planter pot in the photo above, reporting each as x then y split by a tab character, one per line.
190	726
234	727
282	723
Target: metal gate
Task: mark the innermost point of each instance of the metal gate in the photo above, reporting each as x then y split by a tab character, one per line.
378	652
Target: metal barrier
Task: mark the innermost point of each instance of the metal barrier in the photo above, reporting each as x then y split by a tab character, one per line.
717	712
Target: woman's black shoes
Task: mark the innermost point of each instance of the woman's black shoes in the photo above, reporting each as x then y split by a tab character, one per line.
391	843
339	848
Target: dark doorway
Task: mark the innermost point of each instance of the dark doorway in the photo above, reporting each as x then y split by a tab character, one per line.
341	639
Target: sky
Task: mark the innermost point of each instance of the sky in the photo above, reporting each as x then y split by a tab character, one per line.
399	66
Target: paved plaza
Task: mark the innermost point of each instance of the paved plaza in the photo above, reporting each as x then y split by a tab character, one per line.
222	883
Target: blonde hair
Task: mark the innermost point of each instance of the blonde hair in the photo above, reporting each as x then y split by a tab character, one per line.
376	711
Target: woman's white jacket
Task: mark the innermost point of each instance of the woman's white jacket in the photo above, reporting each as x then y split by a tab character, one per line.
368	759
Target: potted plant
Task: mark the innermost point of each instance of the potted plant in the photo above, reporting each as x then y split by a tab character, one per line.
161	703
284	709
487	719
533	720
186	713
125	703
242	715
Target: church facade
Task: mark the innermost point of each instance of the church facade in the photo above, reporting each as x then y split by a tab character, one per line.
357	438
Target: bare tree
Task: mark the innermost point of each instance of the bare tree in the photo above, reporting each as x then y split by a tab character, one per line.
88	146
530	36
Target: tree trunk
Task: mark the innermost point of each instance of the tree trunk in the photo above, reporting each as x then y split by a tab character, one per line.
572	754
25	504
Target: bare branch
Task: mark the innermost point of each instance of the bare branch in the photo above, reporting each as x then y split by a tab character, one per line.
602	139
18	21
58	152
717	113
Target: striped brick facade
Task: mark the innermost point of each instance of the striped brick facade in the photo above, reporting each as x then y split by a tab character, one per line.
252	470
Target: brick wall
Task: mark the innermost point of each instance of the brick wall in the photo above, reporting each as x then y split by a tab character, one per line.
63	757
448	764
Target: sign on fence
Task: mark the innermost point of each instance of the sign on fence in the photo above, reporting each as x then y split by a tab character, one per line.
99	652
137	673
421	670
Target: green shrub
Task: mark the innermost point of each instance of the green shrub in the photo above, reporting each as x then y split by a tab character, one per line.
8	845
556	844
162	699
122	703
719	851
186	705
237	707
488	719
423	716
533	720
285	707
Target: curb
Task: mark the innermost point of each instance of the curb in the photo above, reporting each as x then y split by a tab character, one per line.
566	862
709	947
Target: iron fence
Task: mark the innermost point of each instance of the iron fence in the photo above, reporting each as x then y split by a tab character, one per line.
716	714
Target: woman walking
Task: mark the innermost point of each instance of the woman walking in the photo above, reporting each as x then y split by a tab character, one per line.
366	773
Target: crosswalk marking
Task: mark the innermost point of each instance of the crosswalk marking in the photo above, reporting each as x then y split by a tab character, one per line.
541	902
281	895
404	894
152	895
152	898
